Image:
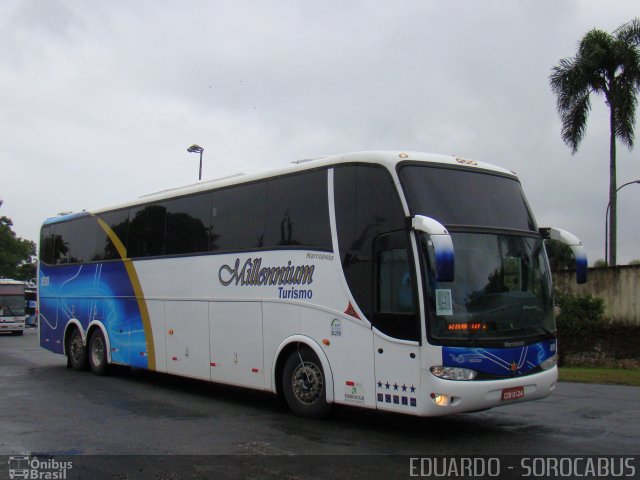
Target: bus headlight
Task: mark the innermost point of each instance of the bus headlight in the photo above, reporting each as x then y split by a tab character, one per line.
454	373
549	362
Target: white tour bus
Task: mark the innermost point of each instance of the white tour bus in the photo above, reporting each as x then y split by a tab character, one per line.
12	306
328	281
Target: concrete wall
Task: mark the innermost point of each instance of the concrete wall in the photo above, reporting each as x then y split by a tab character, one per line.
619	287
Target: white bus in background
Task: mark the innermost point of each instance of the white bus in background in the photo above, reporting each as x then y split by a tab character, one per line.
12	306
396	281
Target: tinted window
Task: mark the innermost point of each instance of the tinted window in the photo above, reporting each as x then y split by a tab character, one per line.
187	224
367	205
118	222
238	216
395	292
82	239
294	207
61	249
470	198
46	245
146	231
395	312
298	211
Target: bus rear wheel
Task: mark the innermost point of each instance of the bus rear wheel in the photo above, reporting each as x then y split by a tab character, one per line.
98	353
76	353
304	384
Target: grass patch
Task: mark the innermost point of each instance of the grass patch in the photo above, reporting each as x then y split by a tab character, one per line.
609	376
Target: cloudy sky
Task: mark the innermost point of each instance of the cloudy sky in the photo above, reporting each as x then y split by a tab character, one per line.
99	100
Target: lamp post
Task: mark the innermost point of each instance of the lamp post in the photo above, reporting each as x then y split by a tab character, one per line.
197	149
606	222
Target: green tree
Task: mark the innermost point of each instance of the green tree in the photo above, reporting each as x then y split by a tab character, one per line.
608	65
16	254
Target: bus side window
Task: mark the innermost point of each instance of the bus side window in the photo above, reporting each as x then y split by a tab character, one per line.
118	222
46	245
61	243
146	230
238	217
366	206
82	239
395	311
395	291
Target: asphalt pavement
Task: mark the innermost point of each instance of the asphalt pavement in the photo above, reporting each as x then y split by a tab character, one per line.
50	410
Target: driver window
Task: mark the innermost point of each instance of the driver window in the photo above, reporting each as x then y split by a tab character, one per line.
395	312
395	291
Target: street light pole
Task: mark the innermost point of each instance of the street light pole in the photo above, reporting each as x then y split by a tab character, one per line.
606	222
197	149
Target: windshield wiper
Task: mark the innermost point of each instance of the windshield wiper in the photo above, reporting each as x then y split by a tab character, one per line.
500	309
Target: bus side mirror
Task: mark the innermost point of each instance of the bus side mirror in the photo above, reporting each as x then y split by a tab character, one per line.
442	246
575	244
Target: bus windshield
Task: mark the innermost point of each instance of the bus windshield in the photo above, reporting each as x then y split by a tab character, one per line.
502	286
466	198
12	305
502	290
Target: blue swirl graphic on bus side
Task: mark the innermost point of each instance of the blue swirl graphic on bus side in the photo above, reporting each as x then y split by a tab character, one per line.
97	291
500	362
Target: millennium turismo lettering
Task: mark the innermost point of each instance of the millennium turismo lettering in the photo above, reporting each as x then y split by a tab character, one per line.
252	273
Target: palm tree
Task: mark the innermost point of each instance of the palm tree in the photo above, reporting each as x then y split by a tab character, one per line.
609	65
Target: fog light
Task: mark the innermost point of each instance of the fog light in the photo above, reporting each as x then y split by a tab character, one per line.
454	373
549	362
440	399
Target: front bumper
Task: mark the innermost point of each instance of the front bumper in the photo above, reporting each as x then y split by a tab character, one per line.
12	326
470	396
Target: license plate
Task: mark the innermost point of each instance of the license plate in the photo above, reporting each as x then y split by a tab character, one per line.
512	393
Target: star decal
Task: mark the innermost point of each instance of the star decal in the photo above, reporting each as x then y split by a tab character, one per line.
404	387
413	389
379	384
387	385
395	387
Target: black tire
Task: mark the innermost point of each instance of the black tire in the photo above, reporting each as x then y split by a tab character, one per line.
97	352
304	384
76	353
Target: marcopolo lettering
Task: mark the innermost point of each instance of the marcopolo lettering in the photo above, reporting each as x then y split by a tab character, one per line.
252	273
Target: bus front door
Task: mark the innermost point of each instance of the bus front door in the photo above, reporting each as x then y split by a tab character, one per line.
395	325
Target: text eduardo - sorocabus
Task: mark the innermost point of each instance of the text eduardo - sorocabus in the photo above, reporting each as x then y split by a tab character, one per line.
252	273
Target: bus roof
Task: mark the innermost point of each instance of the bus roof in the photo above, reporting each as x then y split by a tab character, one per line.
387	158
9	281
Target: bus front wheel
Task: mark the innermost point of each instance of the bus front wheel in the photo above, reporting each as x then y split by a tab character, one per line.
304	384
76	353
98	353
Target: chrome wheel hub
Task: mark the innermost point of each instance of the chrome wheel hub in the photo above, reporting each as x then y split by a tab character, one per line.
97	351
307	383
